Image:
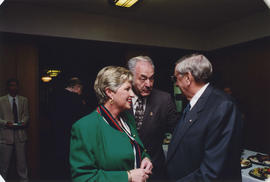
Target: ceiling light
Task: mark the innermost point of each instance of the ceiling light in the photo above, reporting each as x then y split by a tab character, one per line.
267	2
53	73
124	3
46	78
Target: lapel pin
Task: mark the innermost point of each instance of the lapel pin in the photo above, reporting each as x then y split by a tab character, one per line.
151	113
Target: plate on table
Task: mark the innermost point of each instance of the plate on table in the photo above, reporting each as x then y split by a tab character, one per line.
16	124
245	163
260	159
260	173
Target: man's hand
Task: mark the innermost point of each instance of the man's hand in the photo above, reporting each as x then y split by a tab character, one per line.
9	124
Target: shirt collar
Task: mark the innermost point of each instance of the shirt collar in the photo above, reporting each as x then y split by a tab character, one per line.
196	97
134	99
11	98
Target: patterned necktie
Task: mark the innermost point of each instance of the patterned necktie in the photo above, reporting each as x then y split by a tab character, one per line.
14	109
139	112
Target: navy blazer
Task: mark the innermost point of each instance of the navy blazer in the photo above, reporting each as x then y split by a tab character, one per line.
206	145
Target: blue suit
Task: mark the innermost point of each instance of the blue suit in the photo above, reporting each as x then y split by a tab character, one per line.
206	144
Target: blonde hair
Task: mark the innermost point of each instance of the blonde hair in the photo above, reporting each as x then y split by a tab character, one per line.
111	77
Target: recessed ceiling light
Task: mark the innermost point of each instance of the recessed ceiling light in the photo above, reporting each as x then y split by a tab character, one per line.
124	3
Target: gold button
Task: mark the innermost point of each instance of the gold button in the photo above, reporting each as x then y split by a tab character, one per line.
145	150
134	135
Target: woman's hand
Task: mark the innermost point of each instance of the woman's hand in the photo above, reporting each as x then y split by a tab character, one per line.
138	175
147	165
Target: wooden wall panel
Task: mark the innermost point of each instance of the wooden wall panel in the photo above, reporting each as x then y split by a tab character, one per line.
20	60
245	68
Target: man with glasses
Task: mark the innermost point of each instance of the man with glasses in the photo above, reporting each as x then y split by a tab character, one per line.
206	142
154	110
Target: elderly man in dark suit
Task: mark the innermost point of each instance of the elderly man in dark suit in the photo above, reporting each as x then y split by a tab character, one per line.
154	110
206	142
14	116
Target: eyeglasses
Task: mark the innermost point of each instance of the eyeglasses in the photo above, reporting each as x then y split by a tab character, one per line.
173	78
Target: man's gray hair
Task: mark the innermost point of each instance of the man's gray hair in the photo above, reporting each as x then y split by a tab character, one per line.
133	61
197	64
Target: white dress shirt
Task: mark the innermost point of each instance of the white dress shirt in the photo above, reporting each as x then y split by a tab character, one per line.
196	97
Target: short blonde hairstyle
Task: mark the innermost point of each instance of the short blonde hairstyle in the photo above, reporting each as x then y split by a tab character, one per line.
111	77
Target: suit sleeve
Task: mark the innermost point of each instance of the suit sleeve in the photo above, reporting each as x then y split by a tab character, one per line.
172	114
3	112
223	130
2	120
84	166
25	111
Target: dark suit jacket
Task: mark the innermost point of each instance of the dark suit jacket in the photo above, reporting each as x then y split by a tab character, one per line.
66	108
206	146
160	116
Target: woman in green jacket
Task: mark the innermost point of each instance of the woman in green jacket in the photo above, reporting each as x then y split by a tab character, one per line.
105	146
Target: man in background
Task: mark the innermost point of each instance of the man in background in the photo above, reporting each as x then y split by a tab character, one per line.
14	116
67	108
206	143
154	110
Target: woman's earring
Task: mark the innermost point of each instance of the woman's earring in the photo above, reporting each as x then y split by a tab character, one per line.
111	101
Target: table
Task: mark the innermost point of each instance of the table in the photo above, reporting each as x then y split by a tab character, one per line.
1	179
245	176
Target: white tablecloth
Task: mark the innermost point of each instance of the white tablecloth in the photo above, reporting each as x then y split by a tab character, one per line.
245	176
1	179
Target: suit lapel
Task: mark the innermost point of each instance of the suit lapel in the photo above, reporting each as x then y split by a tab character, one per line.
7	103
149	113
20	105
147	110
191	118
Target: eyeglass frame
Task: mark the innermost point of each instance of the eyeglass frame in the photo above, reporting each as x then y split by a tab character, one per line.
174	78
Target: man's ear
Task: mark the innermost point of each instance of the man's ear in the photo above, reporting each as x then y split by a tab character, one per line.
189	78
109	92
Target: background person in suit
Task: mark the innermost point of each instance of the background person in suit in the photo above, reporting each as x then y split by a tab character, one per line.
206	142
67	107
14	116
154	111
105	145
